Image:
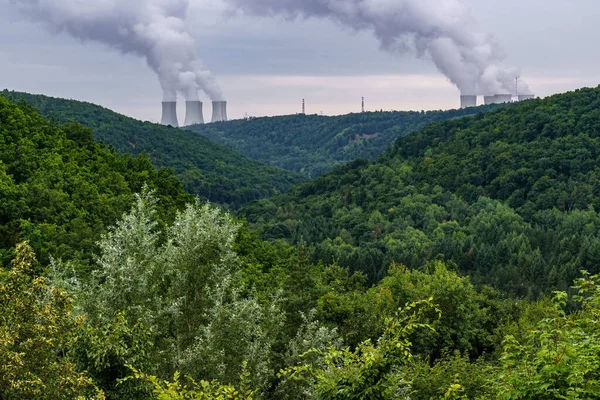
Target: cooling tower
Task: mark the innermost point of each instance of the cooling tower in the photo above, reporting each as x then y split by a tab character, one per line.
503	98
523	97
489	100
169	114
468	101
193	113
219	111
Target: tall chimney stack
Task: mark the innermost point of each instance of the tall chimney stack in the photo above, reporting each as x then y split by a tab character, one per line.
169	114
193	113
467	101
303	107
219	111
363	104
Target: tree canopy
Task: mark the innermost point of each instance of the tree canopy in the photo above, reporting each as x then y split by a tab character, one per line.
509	196
314	145
60	190
462	264
207	169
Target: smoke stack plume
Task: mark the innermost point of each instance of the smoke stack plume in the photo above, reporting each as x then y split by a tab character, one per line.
193	113
441	29
467	101
155	30
219	111
169	114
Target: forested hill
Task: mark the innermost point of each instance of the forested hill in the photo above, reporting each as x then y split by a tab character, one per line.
511	196
60	190
179	301
207	169
313	144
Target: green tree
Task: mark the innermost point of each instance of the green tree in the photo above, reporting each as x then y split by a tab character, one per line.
370	371
559	358
176	296
37	333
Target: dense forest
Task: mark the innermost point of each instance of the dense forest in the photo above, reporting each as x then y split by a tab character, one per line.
428	274
511	197
207	169
314	145
59	189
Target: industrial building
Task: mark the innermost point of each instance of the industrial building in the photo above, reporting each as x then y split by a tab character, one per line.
467	101
169	114
219	111
193	113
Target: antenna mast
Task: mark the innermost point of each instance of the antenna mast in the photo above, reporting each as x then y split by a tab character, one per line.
303	107
363	104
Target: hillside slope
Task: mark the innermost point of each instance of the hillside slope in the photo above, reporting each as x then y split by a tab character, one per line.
207	169
511	196
313	144
60	190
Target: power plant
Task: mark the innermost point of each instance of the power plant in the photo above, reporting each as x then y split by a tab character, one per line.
193	113
489	100
195	116
503	98
219	111
169	114
467	101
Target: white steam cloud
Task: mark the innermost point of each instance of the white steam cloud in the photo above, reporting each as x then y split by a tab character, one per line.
153	29
441	29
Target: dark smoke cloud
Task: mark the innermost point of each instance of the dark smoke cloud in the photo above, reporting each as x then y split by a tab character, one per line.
440	29
153	29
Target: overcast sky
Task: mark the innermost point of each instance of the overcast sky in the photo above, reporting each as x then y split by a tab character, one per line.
266	67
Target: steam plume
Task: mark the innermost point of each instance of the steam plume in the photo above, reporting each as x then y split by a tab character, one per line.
153	29
442	29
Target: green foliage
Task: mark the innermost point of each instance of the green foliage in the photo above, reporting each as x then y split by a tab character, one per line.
369	372
37	333
508	196
203	390
170	300
105	350
469	318
60	190
453	377
207	169
334	299
559	358
239	332
314	145
311	341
